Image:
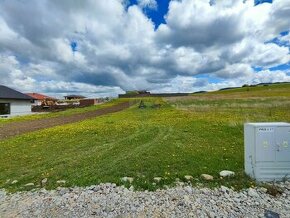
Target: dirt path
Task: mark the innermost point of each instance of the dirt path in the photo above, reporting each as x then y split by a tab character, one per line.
17	128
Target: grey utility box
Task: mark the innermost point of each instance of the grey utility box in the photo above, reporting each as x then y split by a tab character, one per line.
267	151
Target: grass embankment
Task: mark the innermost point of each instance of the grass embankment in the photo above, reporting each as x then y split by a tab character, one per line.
272	90
67	112
205	136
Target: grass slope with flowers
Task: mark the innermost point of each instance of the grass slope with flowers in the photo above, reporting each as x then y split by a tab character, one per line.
186	136
64	113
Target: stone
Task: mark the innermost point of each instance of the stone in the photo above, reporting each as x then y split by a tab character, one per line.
127	179
206	177
157	179
188	189
62	191
29	184
271	214
186	198
108	200
60	182
252	192
44	181
227	173
14	182
188	177
2	194
263	189
179	183
224	189
212	215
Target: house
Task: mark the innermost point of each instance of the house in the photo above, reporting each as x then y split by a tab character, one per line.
13	103
41	99
74	97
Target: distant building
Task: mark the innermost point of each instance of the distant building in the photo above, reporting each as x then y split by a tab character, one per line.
74	97
90	102
40	98
13	103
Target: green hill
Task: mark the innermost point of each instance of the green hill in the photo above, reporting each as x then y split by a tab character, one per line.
269	90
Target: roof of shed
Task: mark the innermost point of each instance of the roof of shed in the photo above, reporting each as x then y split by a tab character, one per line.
39	96
8	93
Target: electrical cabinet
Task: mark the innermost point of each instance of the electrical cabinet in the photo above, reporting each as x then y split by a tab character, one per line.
267	151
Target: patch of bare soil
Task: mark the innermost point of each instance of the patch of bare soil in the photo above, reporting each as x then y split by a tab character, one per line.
18	128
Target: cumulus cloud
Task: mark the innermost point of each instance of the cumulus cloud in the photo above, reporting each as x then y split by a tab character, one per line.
285	39
151	4
118	47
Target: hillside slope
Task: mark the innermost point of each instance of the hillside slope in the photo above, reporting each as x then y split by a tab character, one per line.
272	90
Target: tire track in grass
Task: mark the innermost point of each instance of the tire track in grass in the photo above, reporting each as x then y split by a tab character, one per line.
105	151
142	148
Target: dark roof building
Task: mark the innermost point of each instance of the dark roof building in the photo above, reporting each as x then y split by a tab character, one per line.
14	103
8	93
72	97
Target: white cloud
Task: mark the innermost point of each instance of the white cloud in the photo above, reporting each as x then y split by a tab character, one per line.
118	48
152	4
285	39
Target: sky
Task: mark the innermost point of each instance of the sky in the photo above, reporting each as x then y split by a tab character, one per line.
101	48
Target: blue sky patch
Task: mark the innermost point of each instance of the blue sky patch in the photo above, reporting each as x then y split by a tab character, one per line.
156	15
74	46
281	67
257	2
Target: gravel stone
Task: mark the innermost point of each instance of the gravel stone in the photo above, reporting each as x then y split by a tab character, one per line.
157	179
226	173
206	177
127	179
60	182
44	181
253	193
109	200
29	184
188	177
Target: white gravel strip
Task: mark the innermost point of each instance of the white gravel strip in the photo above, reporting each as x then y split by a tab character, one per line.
108	200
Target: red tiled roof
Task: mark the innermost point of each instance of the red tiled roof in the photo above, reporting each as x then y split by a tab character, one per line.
39	96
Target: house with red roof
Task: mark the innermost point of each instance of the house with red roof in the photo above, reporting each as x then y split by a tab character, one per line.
40	99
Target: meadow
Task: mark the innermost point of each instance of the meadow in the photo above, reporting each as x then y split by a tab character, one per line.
190	135
63	113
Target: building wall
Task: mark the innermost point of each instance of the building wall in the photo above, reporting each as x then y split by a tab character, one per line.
37	103
88	102
18	107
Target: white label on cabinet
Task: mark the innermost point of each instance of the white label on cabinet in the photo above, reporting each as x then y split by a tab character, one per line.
266	129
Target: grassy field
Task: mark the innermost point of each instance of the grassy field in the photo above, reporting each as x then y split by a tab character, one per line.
186	136
60	113
273	90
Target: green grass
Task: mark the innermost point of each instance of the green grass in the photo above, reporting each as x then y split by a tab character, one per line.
67	112
273	90
186	136
236	111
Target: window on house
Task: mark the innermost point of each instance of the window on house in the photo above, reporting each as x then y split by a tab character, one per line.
4	108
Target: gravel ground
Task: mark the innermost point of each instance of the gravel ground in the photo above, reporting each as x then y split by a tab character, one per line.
108	200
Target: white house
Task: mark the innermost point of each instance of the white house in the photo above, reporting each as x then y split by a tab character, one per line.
14	103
